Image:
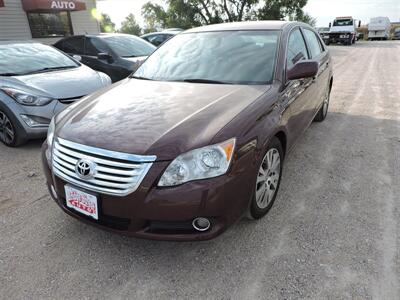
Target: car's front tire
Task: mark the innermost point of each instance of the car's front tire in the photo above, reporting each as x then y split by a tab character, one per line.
10	134
267	181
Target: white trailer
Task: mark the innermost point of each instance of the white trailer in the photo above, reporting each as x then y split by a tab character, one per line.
379	28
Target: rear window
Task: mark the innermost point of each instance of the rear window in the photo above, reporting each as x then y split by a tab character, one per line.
313	43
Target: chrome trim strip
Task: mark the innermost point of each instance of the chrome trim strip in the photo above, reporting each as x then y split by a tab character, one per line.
79	155
108	153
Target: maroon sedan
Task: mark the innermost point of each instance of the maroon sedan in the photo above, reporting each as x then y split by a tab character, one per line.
196	138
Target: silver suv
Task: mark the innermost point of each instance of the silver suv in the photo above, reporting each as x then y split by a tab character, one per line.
36	82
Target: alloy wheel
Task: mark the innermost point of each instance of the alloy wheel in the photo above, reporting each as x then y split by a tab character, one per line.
7	132
268	178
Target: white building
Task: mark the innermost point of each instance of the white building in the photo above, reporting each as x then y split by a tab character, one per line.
46	20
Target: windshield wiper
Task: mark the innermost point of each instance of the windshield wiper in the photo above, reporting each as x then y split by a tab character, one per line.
140	77
199	80
49	69
127	56
9	74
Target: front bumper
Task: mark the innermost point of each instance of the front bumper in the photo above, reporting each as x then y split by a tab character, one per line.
167	213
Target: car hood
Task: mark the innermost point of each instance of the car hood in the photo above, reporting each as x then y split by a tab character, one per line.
69	83
155	118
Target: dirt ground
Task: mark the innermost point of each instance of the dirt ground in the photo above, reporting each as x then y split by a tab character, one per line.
334	231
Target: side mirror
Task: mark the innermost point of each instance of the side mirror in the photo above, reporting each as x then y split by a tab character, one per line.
77	57
302	69
359	24
104	56
330	25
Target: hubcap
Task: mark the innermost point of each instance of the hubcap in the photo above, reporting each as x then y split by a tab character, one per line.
6	129
268	178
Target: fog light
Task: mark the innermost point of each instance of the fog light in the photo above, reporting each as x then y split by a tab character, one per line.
201	224
33	121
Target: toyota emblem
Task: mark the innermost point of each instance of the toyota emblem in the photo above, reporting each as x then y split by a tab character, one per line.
85	169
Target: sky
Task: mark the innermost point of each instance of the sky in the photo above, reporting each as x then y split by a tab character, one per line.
323	10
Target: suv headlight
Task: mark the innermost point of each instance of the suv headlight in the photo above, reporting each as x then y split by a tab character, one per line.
26	98
206	162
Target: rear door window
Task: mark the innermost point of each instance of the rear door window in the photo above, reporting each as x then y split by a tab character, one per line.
297	49
312	42
158	39
94	46
74	45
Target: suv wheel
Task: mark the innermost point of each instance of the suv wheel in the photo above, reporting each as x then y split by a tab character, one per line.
268	180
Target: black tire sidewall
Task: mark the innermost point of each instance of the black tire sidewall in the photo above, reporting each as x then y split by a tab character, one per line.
320	114
18	132
254	210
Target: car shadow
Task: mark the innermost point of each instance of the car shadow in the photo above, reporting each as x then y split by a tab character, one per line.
314	223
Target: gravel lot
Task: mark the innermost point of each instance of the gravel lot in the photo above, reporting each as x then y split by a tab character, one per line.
334	231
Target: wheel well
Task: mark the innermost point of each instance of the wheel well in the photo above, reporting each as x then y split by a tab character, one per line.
282	138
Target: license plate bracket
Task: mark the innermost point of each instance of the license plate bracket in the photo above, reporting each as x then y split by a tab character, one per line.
82	202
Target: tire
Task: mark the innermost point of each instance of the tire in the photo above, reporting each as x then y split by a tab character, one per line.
267	181
10	133
323	111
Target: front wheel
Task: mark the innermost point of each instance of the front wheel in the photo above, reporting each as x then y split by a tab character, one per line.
268	180
9	133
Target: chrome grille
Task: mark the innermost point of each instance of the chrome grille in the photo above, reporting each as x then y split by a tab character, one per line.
116	173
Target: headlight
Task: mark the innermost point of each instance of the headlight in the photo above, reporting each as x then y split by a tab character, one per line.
25	98
50	133
207	162
50	138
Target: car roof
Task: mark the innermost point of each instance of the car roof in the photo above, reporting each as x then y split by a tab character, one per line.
249	25
160	32
100	35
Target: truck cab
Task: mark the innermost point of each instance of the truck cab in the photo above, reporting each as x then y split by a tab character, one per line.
342	30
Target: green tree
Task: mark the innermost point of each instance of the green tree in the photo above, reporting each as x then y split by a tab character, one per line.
306	18
106	25
190	13
130	26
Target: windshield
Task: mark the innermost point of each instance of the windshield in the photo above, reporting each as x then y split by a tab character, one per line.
129	46
237	57
343	22
23	59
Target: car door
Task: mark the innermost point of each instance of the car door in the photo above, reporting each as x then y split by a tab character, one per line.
298	95
319	54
